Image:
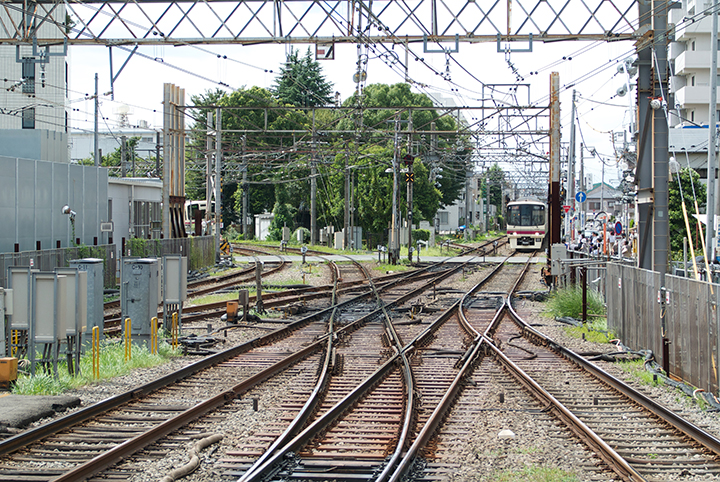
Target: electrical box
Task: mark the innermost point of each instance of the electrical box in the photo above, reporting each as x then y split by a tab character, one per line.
18	279
8	371
558	252
339	240
46	292
76	302
139	295
175	279
95	308
3	331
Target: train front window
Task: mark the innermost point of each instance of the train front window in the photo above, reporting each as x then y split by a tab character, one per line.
526	215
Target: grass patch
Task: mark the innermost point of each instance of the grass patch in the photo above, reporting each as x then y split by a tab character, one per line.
203	300
594	331
636	368
535	474
384	267
112	364
568	302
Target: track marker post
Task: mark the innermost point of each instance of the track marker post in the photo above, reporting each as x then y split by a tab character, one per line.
96	352
174	330
128	339
154	335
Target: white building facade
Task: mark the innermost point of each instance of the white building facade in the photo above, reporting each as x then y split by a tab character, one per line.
34	80
690	60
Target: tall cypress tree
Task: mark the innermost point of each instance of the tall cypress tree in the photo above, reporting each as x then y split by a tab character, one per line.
302	83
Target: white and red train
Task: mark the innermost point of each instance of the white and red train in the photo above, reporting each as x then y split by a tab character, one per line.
526	224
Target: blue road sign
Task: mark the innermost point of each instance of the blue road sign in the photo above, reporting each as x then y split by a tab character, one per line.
618	227
580	197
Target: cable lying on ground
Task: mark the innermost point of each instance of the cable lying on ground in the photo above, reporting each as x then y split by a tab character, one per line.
194	458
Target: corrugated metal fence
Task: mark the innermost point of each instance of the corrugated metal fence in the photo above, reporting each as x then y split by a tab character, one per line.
691	320
49	259
199	250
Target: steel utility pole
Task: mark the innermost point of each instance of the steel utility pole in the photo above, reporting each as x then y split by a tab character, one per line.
394	241
410	180
712	129
554	158
346	228
218	167
208	169
248	232
313	187
96	134
468	207
571	169
123	156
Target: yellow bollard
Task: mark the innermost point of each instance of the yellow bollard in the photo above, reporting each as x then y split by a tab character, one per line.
16	338
128	339
174	330
96	352
154	336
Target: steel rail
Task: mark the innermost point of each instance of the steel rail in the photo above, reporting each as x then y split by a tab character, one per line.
257	471
131	446
350	399
691	430
598	445
468	360
18	441
21	440
102	461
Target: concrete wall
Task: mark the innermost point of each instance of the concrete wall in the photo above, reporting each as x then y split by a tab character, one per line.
38	144
32	195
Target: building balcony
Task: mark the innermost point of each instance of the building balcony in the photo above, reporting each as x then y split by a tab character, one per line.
696	94
689	62
687	30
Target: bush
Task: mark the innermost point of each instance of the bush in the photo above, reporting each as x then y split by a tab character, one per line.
231	234
305	235
421	234
138	247
568	302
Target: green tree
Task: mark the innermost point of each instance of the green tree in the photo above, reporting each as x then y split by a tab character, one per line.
682	182
114	158
444	154
243	110
494	177
284	215
301	82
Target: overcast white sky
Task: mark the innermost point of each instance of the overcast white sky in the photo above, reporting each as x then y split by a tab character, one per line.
591	67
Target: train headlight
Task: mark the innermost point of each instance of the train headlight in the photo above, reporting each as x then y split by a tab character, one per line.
537	234
515	233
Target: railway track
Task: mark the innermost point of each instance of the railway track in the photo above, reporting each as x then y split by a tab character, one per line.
633	436
353	438
81	444
148	413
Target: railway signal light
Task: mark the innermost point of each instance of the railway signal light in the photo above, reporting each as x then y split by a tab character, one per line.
409	177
